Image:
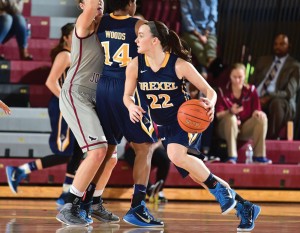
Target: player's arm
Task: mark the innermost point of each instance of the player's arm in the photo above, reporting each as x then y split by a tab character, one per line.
61	62
188	71
135	111
85	19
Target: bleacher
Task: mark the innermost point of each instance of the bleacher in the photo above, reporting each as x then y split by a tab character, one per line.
24	135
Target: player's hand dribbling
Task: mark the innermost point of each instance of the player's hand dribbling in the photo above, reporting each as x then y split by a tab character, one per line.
135	113
209	107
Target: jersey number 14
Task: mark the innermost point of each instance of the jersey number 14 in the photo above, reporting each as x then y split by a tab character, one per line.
121	56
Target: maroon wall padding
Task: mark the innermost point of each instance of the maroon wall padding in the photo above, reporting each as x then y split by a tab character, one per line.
239	175
27	8
53	175
29	72
39	27
38	48
279	151
258	176
39	96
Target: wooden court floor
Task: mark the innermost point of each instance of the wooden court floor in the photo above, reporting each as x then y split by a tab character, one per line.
39	216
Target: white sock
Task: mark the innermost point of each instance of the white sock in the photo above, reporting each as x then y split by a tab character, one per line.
161	194
76	192
98	193
25	167
66	187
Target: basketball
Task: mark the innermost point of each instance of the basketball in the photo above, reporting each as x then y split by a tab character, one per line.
192	116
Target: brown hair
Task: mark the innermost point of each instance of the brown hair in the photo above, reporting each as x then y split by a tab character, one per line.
65	31
169	40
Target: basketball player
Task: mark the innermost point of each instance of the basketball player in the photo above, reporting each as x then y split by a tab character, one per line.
61	141
117	32
77	104
159	72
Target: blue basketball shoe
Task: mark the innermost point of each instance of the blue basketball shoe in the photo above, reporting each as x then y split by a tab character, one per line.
14	176
248	213
61	200
141	217
86	212
225	197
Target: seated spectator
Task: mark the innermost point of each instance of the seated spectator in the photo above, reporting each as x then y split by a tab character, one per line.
239	116
161	161
4	107
199	19
13	23
277	80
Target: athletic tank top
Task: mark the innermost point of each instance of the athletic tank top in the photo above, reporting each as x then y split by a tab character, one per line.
86	61
117	36
163	90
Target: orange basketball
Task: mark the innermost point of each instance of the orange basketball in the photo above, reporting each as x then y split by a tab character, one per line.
192	116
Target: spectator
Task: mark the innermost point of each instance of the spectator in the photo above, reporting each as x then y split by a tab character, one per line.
13	23
161	161
239	116
199	19
4	107
277	81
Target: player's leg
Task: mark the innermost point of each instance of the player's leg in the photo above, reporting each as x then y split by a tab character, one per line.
16	174
72	167
195	166
93	203
139	215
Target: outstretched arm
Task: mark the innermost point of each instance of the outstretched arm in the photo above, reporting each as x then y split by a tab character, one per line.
135	111
91	10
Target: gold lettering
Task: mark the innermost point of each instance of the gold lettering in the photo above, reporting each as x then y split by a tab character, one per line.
155	86
115	35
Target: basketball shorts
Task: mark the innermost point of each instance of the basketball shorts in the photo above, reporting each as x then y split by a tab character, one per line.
77	105
114	116
174	134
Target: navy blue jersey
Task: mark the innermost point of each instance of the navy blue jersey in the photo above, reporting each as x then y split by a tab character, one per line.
117	35
163	90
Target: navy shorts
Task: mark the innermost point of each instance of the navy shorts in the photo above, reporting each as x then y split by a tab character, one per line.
114	116
61	139
174	134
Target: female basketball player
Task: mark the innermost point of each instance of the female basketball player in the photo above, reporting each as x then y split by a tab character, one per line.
159	72
62	141
117	32
77	104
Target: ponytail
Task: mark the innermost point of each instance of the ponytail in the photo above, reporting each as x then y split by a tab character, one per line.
169	40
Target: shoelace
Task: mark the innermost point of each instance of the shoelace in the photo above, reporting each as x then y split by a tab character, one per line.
244	214
75	210
102	209
222	198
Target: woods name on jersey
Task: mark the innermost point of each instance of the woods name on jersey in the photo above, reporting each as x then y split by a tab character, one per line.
115	35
